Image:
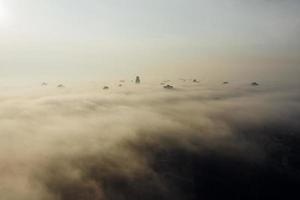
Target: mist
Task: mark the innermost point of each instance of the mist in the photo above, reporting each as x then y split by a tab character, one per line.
101	39
196	141
214	113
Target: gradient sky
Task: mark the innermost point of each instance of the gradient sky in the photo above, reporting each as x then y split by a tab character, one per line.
91	39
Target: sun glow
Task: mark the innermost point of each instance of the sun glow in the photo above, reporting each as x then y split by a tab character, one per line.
4	14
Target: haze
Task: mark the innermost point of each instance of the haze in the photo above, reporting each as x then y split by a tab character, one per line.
149	99
103	39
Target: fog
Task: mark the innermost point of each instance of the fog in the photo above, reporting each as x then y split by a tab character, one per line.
196	141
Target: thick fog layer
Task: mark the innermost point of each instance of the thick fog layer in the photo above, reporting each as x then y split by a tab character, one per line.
195	141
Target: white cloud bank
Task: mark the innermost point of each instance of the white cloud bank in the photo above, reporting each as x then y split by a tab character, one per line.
145	142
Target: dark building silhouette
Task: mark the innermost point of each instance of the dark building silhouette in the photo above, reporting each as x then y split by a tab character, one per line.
168	87
137	80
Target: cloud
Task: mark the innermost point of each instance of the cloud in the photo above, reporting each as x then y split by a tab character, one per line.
144	142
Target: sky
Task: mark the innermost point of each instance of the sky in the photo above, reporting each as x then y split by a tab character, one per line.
103	39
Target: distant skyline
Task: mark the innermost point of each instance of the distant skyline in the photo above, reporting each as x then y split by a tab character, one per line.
115	38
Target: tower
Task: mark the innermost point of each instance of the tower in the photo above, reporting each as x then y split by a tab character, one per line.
137	80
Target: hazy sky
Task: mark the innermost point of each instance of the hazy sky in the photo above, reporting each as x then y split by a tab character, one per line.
90	39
